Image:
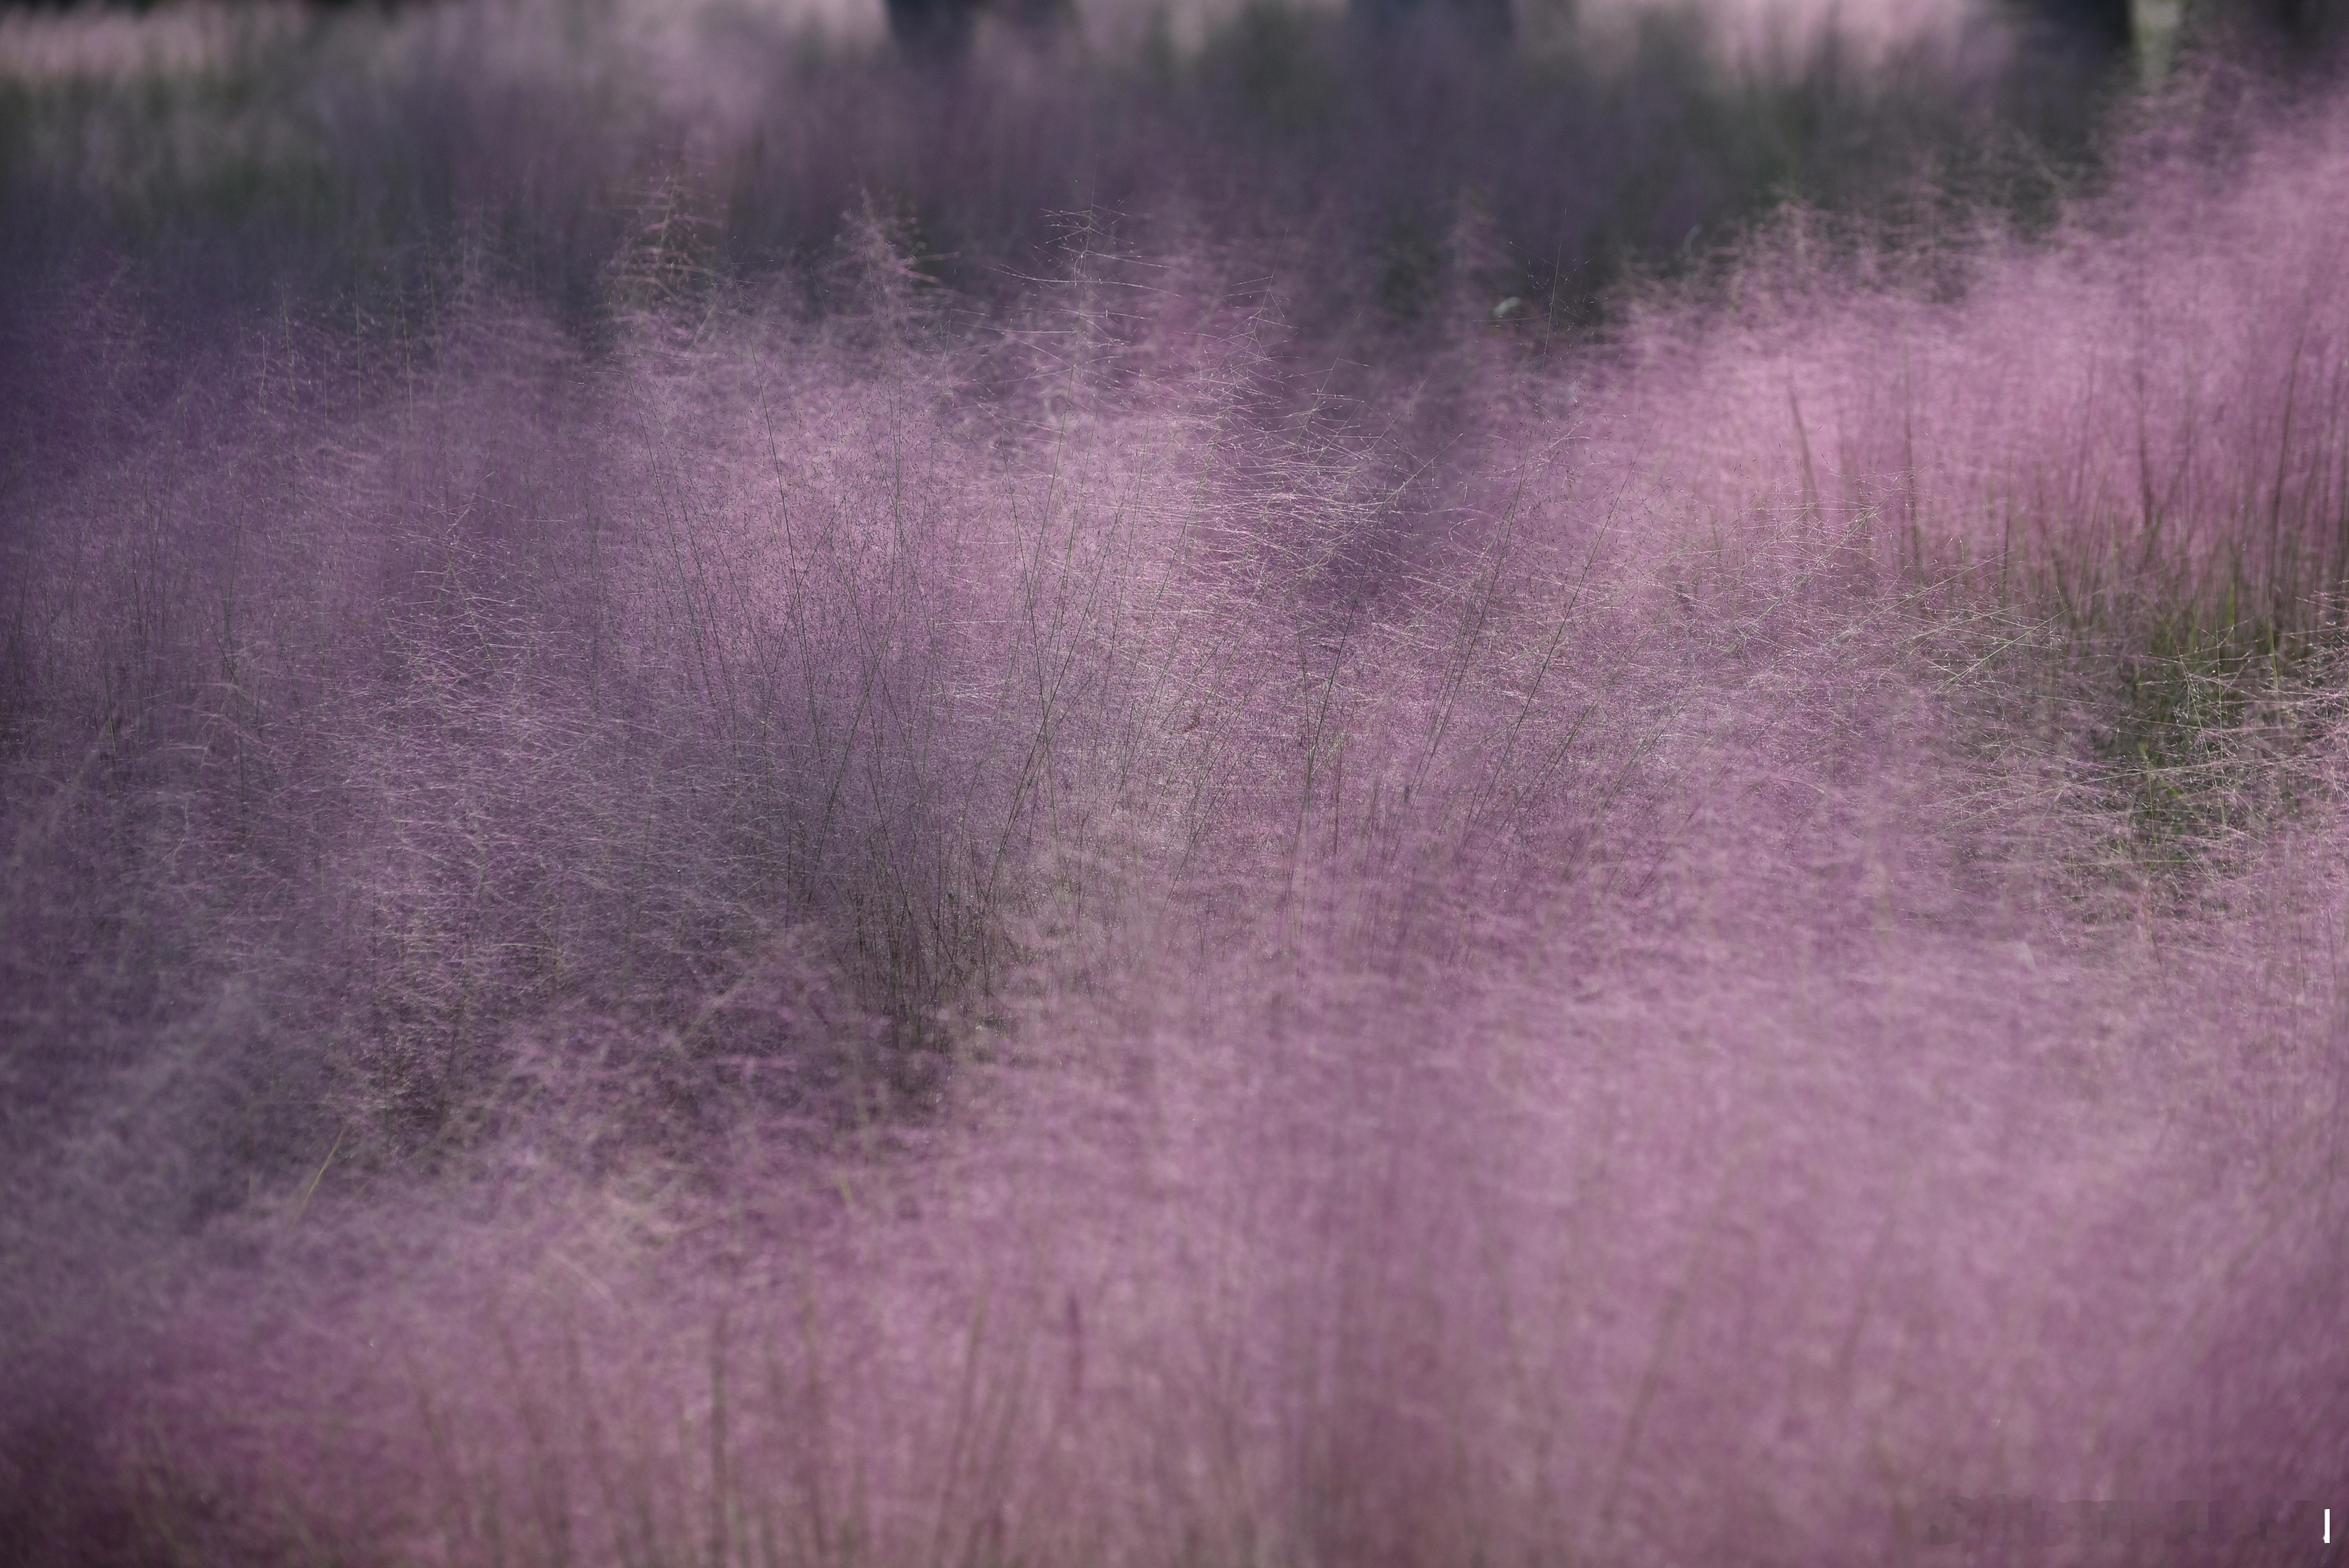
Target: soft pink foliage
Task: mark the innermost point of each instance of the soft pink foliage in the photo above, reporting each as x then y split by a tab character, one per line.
1049	952
2149	409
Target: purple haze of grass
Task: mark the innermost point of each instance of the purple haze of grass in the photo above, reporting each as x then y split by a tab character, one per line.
1087	975
2143	418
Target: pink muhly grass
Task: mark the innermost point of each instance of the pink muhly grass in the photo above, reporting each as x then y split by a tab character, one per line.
821	941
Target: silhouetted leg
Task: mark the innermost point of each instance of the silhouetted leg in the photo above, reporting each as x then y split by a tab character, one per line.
931	29
1476	21
2105	26
2305	24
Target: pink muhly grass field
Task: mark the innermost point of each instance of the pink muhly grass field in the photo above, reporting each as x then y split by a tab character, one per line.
1146	924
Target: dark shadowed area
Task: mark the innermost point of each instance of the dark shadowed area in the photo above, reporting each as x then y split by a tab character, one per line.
1345	786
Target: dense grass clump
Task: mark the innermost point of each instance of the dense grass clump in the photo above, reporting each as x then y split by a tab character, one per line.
1237	790
2124	439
